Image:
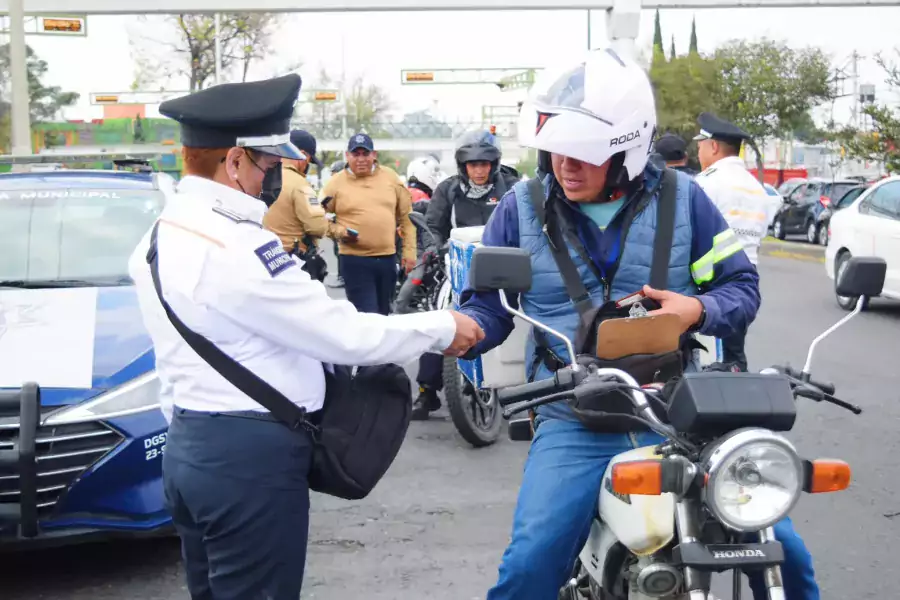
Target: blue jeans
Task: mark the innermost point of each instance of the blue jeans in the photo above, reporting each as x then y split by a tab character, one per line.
369	282
558	501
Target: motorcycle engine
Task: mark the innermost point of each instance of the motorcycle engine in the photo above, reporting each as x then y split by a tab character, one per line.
655	578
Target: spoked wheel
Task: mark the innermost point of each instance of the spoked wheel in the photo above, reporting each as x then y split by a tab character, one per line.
475	413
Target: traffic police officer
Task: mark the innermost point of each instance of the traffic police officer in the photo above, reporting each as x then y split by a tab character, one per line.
738	195
235	478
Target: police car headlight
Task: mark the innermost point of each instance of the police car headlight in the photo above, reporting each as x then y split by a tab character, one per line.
755	479
138	395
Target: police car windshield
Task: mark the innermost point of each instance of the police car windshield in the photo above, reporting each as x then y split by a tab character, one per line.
69	237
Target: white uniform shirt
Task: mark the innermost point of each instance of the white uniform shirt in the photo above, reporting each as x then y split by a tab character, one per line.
231	282
741	199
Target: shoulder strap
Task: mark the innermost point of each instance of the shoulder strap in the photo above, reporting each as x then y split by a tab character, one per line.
576	289
665	230
236	373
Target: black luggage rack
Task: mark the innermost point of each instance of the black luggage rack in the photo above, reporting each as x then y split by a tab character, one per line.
21	460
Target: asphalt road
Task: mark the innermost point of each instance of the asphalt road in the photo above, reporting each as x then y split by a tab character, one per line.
438	523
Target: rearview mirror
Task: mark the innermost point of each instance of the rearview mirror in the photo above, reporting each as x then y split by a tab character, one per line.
494	268
862	276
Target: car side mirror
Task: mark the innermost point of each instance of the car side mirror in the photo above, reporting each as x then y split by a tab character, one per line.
863	276
495	268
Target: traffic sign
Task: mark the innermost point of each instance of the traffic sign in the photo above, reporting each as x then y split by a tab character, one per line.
136	97
65	25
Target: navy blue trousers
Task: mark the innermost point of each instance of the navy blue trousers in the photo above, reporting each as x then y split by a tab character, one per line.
431	371
238	493
369	281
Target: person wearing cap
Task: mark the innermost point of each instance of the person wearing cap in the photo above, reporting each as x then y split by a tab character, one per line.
370	203
296	216
235	478
738	195
673	150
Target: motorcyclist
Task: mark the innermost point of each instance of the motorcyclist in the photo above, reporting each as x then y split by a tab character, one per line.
466	199
593	163
423	176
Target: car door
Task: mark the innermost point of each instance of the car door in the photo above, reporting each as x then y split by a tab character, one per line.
805	196
880	216
791	202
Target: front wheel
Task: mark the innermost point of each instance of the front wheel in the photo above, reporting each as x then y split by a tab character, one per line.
845	302
778	229
812	232
475	413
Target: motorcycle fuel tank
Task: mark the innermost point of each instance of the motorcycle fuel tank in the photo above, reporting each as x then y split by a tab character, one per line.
643	524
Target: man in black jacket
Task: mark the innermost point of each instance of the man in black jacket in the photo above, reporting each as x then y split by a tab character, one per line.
466	199
673	150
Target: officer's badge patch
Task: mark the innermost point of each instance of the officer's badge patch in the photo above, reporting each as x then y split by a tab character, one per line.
274	258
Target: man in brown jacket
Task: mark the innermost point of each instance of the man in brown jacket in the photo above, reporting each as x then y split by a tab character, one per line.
296	217
370	203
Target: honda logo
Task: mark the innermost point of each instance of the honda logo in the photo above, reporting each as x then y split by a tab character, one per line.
749	553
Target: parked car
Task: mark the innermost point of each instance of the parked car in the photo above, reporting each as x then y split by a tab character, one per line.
776	201
70	323
789	185
869	226
803	206
825	216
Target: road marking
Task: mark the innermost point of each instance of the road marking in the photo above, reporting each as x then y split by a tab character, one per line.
794	255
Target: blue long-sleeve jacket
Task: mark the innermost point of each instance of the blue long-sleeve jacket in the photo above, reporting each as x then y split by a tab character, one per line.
731	299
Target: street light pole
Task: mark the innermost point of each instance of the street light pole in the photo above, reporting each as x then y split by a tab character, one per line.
218	49
21	120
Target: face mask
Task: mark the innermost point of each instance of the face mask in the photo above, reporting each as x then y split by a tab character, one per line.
271	186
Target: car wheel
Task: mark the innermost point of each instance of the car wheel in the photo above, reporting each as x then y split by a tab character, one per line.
823	234
778	229
845	302
812	232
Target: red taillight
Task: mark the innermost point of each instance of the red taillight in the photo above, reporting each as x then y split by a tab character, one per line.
825	200
416	282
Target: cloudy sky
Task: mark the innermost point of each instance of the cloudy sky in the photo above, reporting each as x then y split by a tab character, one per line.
379	45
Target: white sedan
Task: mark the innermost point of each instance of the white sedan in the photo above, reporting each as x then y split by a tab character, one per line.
868	227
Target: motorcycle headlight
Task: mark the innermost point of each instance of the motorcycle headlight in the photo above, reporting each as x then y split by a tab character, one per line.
138	395
755	479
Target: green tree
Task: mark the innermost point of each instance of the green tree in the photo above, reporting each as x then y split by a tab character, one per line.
188	47
527	165
882	143
769	88
672	53
45	102
684	88
658	52
693	47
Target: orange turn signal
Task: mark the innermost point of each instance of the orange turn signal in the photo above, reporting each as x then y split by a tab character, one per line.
828	476
640	477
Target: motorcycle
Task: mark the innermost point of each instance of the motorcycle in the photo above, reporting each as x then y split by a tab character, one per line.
473	410
706	499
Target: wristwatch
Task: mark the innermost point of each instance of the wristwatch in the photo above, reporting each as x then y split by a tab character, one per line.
700	322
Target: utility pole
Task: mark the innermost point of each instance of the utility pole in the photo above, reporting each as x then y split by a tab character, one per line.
20	118
854	75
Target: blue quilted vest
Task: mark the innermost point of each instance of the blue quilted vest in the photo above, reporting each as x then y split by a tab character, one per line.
547	300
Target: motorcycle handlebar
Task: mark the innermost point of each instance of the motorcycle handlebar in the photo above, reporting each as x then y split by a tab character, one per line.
530	391
827	388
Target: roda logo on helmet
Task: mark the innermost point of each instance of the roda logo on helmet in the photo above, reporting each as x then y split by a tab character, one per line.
628	137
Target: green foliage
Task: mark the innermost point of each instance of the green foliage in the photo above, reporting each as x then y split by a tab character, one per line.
767	87
672	53
684	88
657	32
693	46
527	165
45	102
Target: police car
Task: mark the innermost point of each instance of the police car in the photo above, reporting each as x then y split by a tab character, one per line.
81	434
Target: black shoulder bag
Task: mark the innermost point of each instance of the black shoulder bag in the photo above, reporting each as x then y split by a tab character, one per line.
604	413
358	432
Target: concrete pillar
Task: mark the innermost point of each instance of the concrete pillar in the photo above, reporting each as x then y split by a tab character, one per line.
623	23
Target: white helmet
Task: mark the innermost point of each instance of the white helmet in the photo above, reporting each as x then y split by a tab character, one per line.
593	109
425	170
